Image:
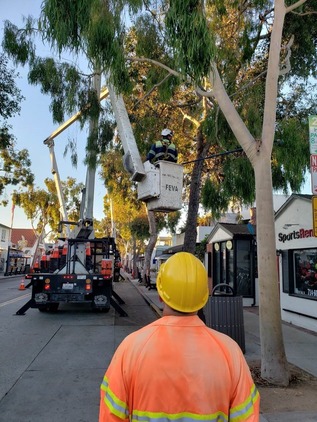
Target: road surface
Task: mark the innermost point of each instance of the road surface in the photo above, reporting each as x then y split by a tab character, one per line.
52	364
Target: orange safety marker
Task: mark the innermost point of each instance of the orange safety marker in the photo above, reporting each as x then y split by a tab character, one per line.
55	251
88	249
65	247
22	287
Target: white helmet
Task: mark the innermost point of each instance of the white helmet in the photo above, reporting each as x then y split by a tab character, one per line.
167	132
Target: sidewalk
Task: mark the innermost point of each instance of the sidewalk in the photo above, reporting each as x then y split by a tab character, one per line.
298	343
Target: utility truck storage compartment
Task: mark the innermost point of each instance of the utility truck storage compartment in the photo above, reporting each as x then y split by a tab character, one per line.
162	187
106	267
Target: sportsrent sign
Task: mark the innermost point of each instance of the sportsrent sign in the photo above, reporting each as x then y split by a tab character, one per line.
295	234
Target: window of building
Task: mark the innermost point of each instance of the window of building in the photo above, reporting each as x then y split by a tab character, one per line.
286	271
223	264
233	264
305	273
3	235
217	264
244	259
209	265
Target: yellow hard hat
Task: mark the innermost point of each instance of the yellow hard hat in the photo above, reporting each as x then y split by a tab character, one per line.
182	283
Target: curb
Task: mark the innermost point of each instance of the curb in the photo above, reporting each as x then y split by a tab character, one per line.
156	309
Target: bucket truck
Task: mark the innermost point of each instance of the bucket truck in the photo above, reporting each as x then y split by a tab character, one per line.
84	268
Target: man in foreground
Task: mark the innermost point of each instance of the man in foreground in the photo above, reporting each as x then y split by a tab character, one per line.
177	369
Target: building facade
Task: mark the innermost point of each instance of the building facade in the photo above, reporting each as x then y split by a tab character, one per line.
17	249
297	261
5	235
231	260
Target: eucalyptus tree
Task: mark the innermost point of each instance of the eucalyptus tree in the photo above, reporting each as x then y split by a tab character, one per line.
217	66
258	149
239	75
41	205
163	99
15	165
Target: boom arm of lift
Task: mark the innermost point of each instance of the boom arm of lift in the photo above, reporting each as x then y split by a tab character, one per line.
160	186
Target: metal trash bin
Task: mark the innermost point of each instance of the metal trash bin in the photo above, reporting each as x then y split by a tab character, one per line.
224	313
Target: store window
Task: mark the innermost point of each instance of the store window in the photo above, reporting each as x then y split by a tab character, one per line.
233	264
244	262
305	272
217	264
209	264
223	263
286	270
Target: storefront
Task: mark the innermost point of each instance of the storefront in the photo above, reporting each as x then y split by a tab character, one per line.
297	252
231	259
17	262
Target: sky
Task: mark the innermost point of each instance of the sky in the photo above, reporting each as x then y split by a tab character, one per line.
34	124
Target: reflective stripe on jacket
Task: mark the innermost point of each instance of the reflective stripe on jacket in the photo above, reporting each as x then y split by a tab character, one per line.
177	369
161	151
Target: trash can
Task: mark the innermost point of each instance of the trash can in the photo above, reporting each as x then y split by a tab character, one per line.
224	313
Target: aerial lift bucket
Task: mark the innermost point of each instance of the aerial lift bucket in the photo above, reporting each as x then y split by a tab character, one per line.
162	187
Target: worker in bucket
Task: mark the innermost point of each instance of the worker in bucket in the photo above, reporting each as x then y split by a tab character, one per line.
176	368
164	149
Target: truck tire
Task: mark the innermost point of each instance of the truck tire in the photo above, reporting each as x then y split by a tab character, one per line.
104	310
51	307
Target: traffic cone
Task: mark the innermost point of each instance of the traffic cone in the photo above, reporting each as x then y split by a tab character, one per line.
65	248
88	249
55	251
22	287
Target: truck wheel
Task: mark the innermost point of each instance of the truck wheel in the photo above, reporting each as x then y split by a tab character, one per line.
52	307
104	310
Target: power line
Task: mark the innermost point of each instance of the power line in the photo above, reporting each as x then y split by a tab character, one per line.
213	156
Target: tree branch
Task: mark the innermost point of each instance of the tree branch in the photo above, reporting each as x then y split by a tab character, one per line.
151	90
271	83
190	118
239	129
204	93
294	6
305	13
156	63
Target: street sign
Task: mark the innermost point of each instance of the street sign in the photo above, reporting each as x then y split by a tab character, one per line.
314	203
313	171
313	134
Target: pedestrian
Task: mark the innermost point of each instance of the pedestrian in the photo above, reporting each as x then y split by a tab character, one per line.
176	368
163	149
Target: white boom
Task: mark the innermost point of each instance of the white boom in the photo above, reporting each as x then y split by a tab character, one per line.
49	141
160	185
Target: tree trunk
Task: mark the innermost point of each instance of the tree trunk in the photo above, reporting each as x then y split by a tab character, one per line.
151	245
273	360
135	259
194	197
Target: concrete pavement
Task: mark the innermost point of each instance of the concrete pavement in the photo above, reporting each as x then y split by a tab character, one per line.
300	346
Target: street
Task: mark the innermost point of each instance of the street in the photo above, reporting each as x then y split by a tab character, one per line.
52	364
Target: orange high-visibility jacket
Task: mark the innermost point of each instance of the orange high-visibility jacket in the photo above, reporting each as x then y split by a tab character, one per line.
177	369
